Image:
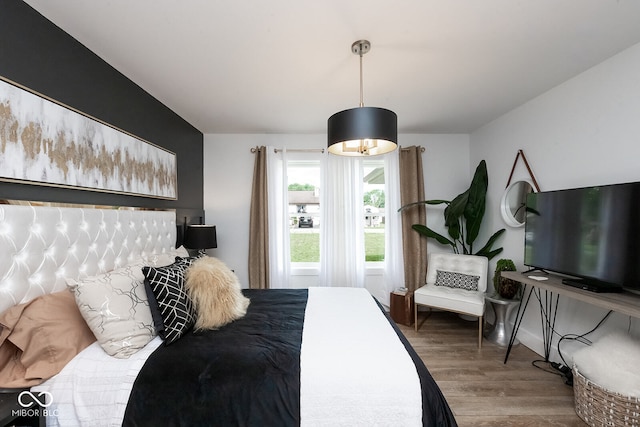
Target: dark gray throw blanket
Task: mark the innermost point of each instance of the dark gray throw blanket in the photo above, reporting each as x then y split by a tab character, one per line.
245	374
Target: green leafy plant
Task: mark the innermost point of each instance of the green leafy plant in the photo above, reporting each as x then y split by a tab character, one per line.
463	218
504	287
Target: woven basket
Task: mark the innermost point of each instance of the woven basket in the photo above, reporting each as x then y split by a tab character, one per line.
600	407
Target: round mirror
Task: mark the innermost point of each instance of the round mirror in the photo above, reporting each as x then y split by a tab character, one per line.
514	199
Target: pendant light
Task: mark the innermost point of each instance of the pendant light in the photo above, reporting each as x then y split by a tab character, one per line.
362	131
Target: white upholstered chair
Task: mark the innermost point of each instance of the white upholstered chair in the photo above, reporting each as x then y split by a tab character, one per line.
454	273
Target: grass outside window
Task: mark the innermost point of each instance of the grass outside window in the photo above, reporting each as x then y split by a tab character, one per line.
305	247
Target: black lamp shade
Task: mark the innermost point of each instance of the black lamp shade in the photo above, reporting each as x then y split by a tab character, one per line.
362	131
200	237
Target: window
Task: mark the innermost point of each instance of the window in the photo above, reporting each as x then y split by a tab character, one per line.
328	223
303	184
373	208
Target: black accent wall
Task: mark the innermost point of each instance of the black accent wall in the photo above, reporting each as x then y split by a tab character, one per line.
37	54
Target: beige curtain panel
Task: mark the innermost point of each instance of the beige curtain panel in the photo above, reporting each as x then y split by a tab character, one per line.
258	224
412	190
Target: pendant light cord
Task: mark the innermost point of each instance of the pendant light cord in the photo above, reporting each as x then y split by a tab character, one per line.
361	90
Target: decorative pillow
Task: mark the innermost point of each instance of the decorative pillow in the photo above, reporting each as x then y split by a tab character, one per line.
216	293
171	307
168	258
452	279
116	308
38	338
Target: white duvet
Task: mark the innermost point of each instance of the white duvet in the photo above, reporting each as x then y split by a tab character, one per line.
93	388
354	371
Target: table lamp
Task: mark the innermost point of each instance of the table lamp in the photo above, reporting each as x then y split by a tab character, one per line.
200	237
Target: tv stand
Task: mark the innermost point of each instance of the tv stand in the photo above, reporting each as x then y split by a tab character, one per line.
624	302
533	270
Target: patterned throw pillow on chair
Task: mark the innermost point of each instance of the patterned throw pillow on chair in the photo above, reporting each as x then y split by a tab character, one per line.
457	280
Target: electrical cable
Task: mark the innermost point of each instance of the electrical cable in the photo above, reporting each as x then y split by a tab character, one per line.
548	369
580	338
563	370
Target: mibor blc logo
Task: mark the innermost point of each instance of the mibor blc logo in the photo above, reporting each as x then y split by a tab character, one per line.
34	405
26	399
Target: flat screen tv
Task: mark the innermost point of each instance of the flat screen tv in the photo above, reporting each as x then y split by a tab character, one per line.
591	233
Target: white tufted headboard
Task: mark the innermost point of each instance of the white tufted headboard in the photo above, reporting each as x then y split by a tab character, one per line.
41	246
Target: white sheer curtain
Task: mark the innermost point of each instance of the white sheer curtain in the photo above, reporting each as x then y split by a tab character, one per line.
278	214
393	254
342	229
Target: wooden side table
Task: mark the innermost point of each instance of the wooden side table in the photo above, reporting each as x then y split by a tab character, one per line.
401	308
500	332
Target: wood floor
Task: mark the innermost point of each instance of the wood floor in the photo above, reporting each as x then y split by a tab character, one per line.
480	388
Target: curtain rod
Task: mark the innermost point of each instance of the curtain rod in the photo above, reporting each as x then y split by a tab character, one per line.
293	150
422	149
312	150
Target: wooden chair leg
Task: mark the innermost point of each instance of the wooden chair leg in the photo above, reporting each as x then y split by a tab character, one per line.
415	316
480	332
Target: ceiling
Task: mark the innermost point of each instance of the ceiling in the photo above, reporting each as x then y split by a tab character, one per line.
284	66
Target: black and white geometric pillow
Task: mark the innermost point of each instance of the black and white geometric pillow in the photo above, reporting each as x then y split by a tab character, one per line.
457	280
171	307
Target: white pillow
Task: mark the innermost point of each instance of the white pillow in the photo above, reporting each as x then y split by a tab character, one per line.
115	307
165	259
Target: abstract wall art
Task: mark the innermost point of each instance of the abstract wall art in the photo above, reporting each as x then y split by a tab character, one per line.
43	142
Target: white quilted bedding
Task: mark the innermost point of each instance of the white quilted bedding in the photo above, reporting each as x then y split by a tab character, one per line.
93	389
348	377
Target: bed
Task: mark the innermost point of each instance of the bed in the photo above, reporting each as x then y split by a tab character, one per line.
322	356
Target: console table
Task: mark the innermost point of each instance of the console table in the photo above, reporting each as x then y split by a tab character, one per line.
624	303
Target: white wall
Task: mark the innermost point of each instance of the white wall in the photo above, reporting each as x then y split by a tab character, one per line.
581	133
228	174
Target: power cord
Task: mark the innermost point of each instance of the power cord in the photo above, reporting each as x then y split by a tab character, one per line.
562	369
555	369
565	372
580	338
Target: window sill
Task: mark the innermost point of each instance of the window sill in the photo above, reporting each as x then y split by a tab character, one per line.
305	269
313	269
374	268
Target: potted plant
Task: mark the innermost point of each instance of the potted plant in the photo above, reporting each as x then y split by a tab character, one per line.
504	287
463	217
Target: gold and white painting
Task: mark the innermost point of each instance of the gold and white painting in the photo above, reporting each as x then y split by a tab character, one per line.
45	143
